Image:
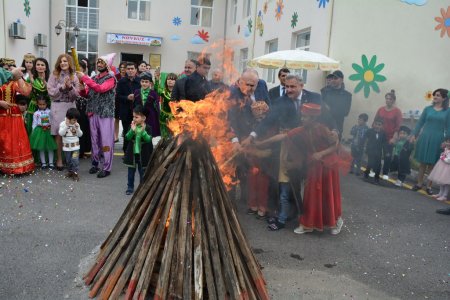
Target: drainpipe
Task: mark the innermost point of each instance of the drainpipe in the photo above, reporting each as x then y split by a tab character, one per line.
50	44
331	28
224	33
254	29
5	28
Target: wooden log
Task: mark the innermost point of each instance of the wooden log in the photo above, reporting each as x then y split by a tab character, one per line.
249	258
145	275
138	236
183	232
211	238
138	202
198	253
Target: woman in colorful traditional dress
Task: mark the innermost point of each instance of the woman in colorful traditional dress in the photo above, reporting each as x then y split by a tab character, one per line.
62	88
39	78
15	152
27	63
165	92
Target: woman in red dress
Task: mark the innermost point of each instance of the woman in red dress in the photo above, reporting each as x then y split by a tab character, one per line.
15	152
317	146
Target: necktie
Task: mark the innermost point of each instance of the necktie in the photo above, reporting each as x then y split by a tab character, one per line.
283	91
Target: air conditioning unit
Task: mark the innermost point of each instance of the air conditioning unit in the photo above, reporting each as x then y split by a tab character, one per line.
17	31
40	40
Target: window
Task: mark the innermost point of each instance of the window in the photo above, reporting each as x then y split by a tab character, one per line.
234	8
139	10
243	59
271	46
84	13
302	42
247	8
201	12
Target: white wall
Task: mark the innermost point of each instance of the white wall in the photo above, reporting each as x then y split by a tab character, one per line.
310	16
36	22
402	36
113	18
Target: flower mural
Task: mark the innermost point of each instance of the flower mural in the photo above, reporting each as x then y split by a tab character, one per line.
279	9
27	8
367	75
323	3
176	21
204	35
259	26
294	20
250	25
429	96
444	22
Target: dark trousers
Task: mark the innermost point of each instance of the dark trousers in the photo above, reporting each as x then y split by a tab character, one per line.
387	157
374	164
132	172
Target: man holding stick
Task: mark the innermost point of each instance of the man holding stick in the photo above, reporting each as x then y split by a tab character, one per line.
100	92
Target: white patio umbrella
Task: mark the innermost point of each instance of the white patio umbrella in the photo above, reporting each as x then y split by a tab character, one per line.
295	59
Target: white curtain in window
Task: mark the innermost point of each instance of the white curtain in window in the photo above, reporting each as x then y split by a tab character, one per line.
144	10
206	17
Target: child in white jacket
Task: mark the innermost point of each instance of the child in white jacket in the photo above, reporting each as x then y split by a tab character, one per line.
71	132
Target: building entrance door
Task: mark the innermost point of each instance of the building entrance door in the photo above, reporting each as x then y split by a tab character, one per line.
136	58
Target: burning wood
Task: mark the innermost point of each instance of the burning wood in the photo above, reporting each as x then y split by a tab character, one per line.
179	237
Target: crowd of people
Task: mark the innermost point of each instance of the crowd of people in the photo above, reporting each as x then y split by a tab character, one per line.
287	139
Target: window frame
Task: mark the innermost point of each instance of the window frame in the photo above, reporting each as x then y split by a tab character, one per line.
88	31
246	9
200	20
271	74
243	61
138	9
307	31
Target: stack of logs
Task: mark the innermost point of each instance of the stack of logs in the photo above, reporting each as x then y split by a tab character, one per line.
179	236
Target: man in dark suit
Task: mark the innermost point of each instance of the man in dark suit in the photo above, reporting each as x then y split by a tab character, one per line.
125	97
279	90
283	116
178	92
197	85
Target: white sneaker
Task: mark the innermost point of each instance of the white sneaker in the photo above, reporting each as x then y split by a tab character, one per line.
300	230
385	177
338	227
372	174
398	183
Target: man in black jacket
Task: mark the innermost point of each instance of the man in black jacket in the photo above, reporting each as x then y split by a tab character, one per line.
338	99
178	92
279	90
125	96
197	84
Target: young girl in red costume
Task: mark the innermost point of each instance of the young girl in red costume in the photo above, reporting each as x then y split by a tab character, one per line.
15	152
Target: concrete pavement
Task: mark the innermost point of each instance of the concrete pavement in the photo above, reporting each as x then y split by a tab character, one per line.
392	246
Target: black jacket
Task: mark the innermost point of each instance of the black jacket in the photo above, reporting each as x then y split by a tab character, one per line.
125	86
178	92
196	87
338	100
375	142
274	94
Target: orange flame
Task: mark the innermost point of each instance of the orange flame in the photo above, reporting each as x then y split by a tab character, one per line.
207	119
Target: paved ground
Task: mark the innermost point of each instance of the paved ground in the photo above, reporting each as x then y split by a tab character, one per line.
393	245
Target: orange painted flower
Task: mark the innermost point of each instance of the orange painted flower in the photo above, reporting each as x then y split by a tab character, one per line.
279	9
444	22
204	35
429	96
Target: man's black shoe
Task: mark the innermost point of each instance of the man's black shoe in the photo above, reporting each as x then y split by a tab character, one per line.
103	174
93	170
444	211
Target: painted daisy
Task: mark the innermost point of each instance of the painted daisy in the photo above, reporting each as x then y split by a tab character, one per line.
176	21
444	22
367	75
294	20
